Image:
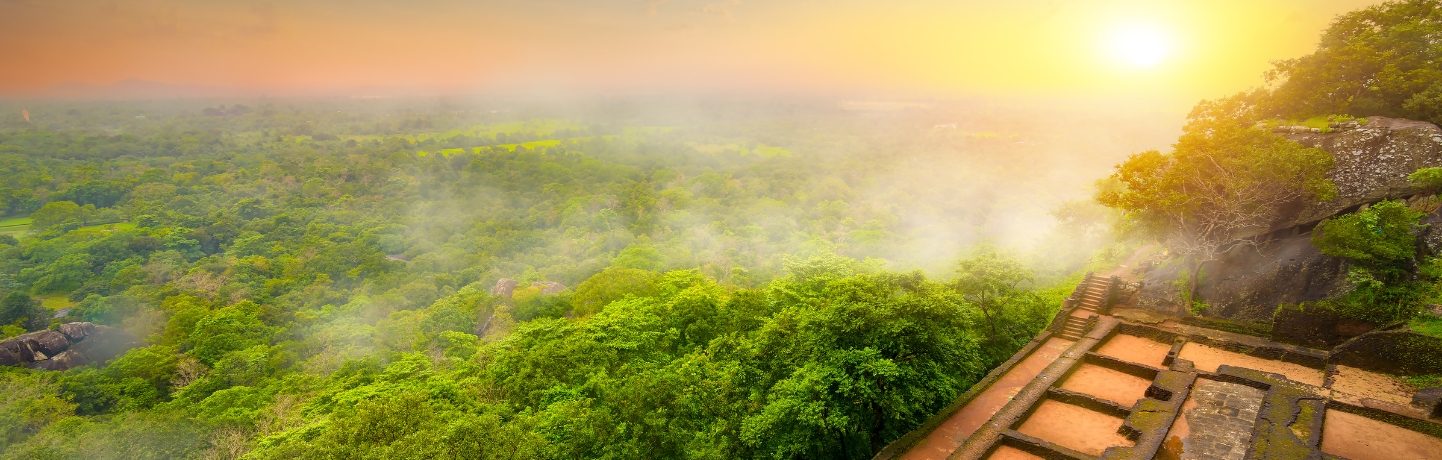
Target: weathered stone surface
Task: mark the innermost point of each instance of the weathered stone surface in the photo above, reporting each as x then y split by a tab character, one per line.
1430	399
550	287
1379	351
50	343
14	352
77	331
1372	163
1220	425
73	344
1315	327
62	361
503	288
1248	282
103	345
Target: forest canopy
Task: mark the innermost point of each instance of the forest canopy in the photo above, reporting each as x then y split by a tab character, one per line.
1382	60
337	280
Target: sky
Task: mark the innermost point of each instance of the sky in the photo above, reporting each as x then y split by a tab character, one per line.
1168	51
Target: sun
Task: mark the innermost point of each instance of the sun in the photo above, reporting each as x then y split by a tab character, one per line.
1137	45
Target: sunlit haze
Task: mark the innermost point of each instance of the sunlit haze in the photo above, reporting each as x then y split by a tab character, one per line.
720	229
929	48
1138	45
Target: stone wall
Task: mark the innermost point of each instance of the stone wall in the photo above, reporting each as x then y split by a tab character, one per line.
1394	351
1314	327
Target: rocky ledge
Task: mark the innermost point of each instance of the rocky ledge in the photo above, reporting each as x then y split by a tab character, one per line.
1373	160
69	345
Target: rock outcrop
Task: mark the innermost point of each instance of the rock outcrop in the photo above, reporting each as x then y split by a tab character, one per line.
1249	282
1373	161
549	287
69	345
503	288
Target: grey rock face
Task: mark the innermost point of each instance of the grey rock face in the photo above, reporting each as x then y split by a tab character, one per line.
550	287
1372	162
72	344
50	343
504	287
77	331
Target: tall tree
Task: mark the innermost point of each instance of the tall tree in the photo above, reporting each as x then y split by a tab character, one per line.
989	280
1383	60
1223	181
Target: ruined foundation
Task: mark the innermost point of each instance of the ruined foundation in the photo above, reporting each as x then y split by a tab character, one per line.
1098	385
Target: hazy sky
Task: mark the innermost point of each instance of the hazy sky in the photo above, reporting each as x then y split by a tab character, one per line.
945	47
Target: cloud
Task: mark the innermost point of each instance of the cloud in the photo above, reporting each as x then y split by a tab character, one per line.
722	8
262	21
653	7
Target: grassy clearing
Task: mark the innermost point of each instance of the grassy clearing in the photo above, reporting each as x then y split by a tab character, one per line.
547	129
15	226
1423	381
539	127
55	302
761	150
532	145
1427	324
11	222
107	228
1320	122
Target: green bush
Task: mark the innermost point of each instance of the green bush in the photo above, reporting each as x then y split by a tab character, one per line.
1429	178
1389	278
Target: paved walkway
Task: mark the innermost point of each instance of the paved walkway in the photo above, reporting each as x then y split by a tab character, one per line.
1217	421
953	432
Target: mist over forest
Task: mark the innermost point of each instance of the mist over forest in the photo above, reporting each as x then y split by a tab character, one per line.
655	229
242	244
913	183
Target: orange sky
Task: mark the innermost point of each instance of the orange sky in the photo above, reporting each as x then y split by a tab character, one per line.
933	47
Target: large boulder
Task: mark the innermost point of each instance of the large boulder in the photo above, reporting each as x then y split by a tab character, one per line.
104	344
1248	282
14	352
70	345
62	361
1373	161
503	288
77	331
50	343
550	287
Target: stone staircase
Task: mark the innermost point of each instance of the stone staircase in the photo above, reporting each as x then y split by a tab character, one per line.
1089	299
1092	294
1074	328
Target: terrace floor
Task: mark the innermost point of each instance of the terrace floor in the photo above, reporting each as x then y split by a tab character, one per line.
1216	413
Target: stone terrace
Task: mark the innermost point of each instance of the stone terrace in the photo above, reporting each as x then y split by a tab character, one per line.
1123	385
